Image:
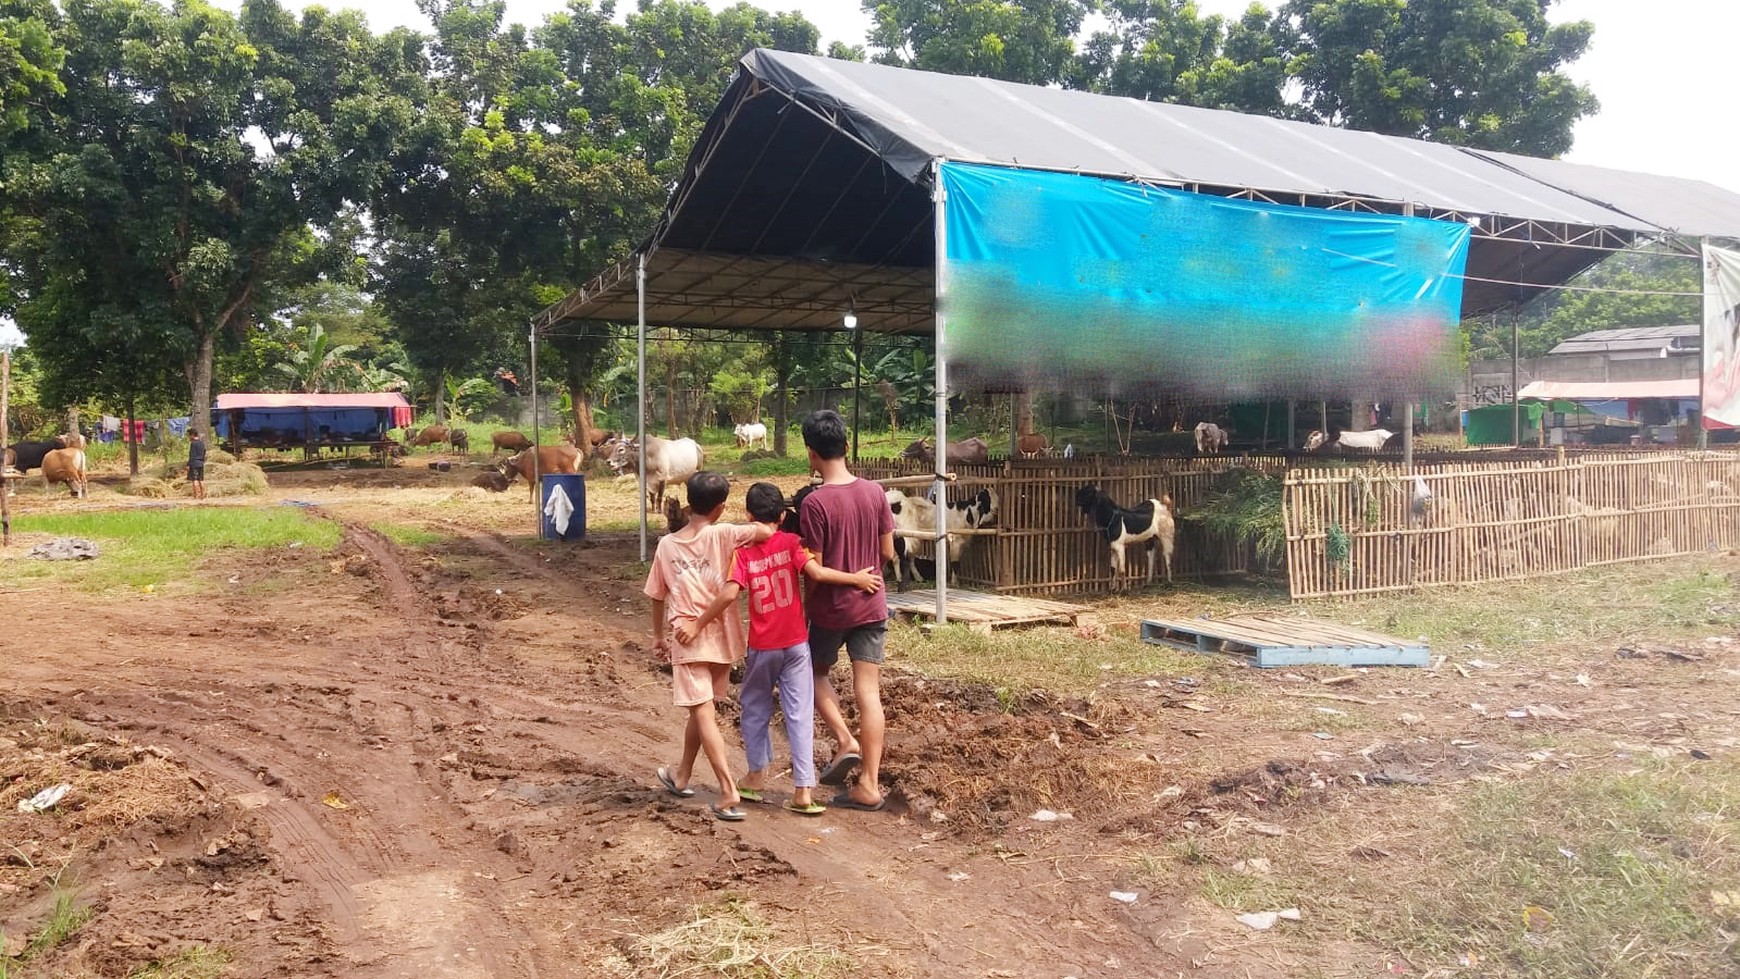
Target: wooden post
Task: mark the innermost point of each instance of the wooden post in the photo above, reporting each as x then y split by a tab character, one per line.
5	437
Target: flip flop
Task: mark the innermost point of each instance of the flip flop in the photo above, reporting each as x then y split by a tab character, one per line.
845	801
835	773
730	814
813	809
749	795
670	784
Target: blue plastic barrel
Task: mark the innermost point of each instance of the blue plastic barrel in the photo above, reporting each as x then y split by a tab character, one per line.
574	484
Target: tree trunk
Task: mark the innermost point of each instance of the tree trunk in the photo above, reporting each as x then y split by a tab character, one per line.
199	381
132	439
72	420
583	427
1024	412
441	397
1361	419
671	400
781	393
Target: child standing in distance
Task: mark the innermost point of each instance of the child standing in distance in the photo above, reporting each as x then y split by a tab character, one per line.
779	649
847	523
688	572
196	463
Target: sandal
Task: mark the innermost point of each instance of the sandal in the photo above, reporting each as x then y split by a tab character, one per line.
813	809
748	794
670	784
835	773
845	801
729	814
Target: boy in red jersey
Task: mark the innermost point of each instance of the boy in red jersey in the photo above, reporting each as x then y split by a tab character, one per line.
779	649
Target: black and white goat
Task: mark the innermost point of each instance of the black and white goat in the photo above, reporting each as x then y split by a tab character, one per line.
1149	522
916	513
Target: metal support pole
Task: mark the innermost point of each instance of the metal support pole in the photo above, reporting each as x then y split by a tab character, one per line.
1703	340
1292	425
1515	402
1408	403
857	381
939	200
640	390
537	476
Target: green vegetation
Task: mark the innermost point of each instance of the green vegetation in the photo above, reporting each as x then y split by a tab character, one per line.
406	535
66	917
1629	871
163	546
1059	660
1246	505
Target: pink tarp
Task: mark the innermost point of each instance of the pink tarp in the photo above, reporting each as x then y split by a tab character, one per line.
386	399
1682	389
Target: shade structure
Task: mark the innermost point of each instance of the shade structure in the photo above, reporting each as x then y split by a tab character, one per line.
817	171
1678	389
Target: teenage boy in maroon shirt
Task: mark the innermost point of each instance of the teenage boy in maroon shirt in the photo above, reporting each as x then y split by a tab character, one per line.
846	523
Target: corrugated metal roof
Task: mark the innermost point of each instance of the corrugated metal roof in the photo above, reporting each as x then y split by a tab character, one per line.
1632	338
913	117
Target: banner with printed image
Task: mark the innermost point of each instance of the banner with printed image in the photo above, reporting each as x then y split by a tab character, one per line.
1721	407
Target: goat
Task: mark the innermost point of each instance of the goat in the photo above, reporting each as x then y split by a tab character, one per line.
1150	521
916	513
1210	438
1339	441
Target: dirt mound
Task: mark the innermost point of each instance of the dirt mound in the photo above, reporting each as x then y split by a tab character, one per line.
165	848
974	764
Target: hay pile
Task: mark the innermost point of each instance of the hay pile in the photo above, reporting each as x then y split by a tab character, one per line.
224	476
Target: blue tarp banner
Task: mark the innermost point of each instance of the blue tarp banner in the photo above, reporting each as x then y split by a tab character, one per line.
1059	281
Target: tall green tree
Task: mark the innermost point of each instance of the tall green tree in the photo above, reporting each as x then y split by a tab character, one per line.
196	153
1483	73
1029	41
30	61
1641	288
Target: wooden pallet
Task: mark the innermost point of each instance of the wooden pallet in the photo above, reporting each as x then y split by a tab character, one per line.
981	612
1285	640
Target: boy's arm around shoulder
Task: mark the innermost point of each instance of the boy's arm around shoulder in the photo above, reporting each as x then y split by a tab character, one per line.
869	580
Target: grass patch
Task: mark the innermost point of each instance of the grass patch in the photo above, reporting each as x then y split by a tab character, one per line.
789	466
151	547
198	962
406	535
1016	661
731	940
1237	891
1604	605
64	920
1626	866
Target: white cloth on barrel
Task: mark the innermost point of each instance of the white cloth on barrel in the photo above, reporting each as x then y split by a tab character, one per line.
559	508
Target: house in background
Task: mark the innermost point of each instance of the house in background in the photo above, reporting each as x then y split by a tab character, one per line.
1644	378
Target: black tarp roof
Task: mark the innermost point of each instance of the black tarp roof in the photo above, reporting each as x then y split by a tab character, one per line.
807	191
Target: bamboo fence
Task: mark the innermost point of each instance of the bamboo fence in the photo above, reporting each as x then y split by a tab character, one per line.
1044	544
1359	531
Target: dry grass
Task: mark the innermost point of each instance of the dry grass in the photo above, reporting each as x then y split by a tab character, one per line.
1061	660
198	962
729	940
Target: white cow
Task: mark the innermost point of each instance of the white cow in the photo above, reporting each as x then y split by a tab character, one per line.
749	433
1367	441
667	461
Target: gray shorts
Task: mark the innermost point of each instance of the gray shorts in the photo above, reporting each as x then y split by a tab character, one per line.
864	644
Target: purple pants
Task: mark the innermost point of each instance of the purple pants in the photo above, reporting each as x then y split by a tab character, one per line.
790	669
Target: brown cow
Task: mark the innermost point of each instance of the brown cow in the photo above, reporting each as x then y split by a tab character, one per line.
427	435
510	442
964	452
1032	445
550	459
65	466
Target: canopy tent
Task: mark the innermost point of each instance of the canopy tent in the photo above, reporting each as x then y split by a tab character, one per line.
814	190
1682	388
309	419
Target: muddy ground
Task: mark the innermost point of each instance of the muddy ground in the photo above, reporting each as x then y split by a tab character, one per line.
437	761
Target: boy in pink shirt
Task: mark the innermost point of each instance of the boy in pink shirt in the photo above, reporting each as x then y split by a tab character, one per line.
779	650
688	572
